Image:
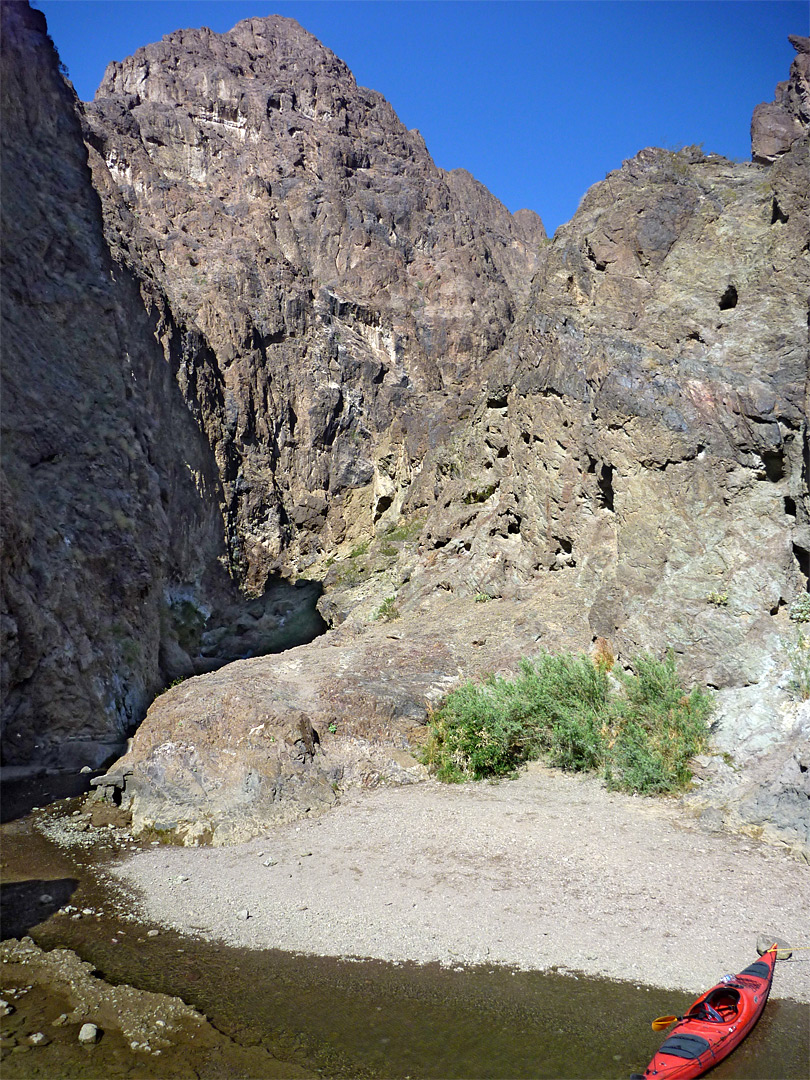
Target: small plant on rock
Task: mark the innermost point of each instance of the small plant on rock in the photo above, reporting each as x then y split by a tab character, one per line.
800	609
388	610
719	599
359	550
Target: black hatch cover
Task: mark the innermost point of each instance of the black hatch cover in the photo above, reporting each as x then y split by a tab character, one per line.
685	1046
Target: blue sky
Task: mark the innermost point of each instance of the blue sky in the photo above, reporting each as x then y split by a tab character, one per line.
539	99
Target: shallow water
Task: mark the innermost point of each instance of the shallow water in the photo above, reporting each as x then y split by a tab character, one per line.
371	1019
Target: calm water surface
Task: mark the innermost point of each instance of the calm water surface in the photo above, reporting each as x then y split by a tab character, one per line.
371	1019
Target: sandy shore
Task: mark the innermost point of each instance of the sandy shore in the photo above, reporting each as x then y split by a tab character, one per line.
546	870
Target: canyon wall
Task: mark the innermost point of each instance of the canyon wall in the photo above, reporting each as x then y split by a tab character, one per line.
109	497
335	293
274	340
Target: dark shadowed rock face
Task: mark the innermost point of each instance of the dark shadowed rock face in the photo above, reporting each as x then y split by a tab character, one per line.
334	292
775	126
101	513
113	545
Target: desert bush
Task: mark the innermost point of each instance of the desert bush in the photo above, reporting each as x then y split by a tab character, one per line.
656	728
638	729
481	730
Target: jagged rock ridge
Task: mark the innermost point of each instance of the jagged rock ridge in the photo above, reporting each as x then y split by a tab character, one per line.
776	125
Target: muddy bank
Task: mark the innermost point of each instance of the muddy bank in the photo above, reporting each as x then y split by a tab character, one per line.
546	871
50	997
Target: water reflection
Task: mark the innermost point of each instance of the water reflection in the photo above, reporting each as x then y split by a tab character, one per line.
25	904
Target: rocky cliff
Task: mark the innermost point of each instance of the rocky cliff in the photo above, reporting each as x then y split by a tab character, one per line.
114	553
476	439
335	294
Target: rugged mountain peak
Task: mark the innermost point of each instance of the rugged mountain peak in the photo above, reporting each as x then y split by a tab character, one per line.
238	79
261	50
323	274
775	126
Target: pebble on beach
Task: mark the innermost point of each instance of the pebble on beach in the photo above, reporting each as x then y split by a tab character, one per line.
88	1034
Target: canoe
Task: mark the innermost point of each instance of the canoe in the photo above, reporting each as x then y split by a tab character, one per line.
715	1024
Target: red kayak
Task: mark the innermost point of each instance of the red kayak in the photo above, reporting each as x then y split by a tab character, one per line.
715	1025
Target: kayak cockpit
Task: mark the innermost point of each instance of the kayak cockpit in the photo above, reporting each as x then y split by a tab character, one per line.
720	1006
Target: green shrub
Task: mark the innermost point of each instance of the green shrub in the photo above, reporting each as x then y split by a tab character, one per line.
638	730
800	609
656	728
481	730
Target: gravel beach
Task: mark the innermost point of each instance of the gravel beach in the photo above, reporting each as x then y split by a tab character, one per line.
543	871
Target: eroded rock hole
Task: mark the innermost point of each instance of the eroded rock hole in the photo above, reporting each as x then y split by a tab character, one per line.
778	214
774	463
802	556
790	506
728	300
604	479
383	503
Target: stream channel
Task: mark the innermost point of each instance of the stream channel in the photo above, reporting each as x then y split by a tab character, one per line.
291	1015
